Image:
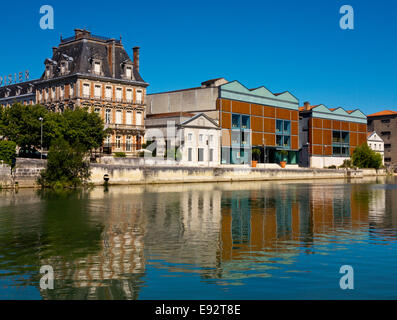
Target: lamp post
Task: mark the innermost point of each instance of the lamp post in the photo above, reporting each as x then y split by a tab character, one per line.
41	138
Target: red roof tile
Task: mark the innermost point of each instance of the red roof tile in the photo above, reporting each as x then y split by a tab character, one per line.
383	113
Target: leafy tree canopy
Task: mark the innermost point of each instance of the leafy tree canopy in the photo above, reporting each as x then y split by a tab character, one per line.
364	157
21	124
7	151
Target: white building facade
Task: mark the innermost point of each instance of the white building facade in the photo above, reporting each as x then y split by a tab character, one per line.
376	143
195	137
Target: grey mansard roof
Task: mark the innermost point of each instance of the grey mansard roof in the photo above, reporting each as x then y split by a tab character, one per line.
80	50
17	90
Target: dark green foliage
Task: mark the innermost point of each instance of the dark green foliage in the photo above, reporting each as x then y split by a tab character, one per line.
21	124
7	151
66	167
120	155
346	164
256	154
364	157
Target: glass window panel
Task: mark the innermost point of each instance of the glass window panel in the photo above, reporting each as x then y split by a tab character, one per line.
235	137
336	151
279	126
245	122
345	137
235	121
245	138
336	137
279	141
287	126
286	141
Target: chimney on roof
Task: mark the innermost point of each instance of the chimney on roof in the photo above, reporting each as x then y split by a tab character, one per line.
81	33
136	58
213	83
306	105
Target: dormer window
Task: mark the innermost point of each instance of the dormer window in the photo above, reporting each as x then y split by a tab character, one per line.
48	71
96	66
7	92
128	72
19	90
127	69
63	67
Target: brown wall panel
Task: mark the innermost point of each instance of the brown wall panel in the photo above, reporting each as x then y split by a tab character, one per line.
352	150
240	107
361	138
226	120
318	150
257	123
294	142
345	126
317	136
353	126
226	105
317	123
327	124
257	109
362	127
283	114
270	139
327	137
353	139
269	112
257	139
295	127
328	150
269	125
336	125
295	115
225	137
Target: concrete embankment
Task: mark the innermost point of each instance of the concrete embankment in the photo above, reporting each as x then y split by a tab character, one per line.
27	171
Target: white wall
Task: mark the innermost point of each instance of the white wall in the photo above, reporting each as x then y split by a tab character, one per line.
323	162
194	144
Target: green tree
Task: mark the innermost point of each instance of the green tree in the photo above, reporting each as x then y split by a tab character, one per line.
66	166
8	151
21	124
364	157
82	127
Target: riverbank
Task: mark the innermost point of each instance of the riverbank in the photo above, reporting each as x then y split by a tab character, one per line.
28	170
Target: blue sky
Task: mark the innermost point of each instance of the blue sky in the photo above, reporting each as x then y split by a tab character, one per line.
284	45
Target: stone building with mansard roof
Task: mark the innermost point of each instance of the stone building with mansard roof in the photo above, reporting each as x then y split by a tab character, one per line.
96	72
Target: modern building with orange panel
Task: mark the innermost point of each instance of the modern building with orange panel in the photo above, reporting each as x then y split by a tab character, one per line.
329	136
248	118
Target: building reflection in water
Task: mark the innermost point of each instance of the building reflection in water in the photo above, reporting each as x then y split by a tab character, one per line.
222	232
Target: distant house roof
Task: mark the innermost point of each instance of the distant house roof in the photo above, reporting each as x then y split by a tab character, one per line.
19	89
170	115
383	113
374	135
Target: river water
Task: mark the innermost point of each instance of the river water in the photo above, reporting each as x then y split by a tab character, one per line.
254	240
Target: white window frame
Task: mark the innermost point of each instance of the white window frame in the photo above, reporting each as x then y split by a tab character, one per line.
119	116
129	118
85	87
97	91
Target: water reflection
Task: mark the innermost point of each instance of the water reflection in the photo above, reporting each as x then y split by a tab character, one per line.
111	244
